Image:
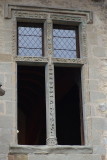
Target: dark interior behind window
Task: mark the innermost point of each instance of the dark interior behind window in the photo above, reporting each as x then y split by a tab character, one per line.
68	106
31	105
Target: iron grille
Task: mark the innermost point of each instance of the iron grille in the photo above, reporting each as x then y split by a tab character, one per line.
30	38
65	42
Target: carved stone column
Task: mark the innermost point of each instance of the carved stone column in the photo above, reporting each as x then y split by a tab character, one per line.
50	105
50	92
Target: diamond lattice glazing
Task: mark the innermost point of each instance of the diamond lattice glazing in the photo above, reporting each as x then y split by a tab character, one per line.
64	43
30	40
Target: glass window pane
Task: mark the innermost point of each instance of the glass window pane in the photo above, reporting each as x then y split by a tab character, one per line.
30	39
64	42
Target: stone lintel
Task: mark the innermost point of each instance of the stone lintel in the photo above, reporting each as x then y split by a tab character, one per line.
75	61
56	61
30	59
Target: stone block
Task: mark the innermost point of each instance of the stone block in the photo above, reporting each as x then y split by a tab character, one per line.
99	124
11	157
88	130
93	110
10	107
96	96
6	121
65	157
105	140
87	110
3	157
8	25
4	149
5	67
99	52
8	47
93	61
2	79
37	157
2	108
6	136
99	149
5	57
93	85
92	38
8	81
96	136
20	157
93	73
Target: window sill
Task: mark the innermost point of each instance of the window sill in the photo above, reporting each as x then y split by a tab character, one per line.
58	149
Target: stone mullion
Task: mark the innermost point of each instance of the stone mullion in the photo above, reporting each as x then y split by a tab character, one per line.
50	91
50	105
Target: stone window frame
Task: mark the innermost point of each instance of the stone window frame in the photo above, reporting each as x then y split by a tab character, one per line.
49	15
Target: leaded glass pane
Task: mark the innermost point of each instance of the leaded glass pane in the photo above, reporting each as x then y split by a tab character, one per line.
64	42
30	39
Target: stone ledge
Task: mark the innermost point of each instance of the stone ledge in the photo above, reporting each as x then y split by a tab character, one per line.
58	149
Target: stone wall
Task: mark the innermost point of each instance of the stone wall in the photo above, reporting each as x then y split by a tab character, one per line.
95	107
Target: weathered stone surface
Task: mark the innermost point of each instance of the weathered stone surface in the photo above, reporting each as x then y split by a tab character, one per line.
4	149
8	95
11	157
3	157
6	136
2	108
99	149
10	107
102	107
96	96
18	157
6	121
99	124
58	149
93	46
5	58
5	67
99	52
65	157
92	38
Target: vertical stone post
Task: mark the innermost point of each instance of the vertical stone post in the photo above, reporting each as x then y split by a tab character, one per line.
50	91
50	105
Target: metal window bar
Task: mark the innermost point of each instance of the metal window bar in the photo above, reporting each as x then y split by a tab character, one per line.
65	41
30	39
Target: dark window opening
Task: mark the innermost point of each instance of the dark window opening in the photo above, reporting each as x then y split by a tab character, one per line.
31	105
30	39
68	106
65	41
